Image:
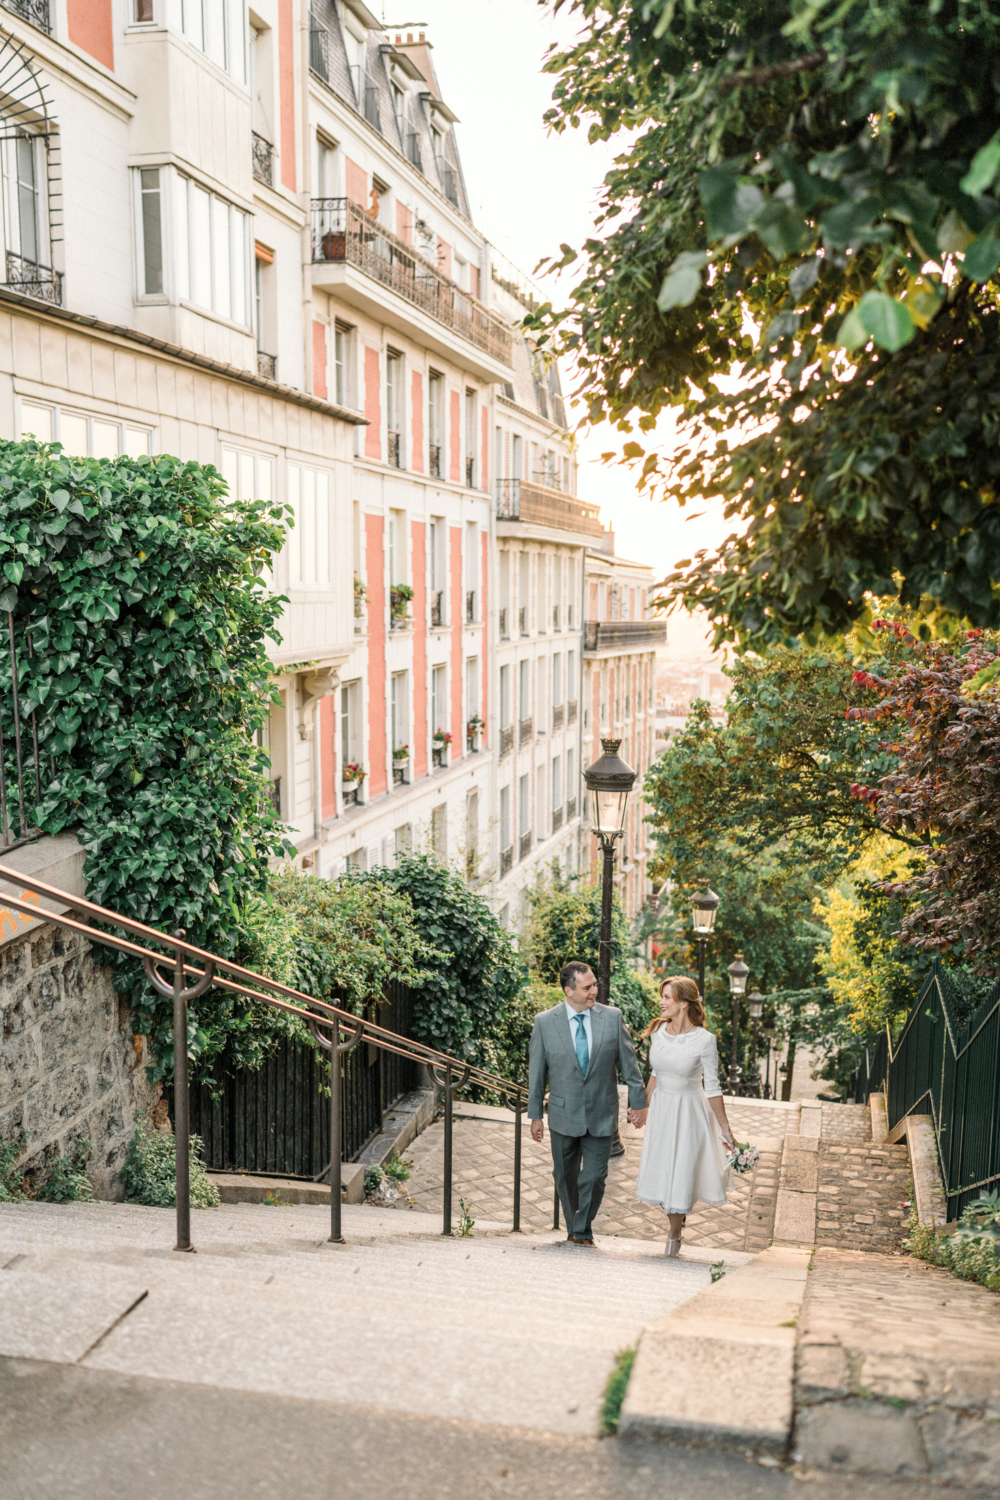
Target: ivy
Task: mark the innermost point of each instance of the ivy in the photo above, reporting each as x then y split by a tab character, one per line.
141	618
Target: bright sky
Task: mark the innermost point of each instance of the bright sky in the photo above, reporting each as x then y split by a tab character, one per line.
531	191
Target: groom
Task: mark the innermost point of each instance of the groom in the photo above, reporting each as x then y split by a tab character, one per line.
578	1047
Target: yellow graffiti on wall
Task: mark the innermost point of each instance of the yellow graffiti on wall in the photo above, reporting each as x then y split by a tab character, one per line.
17	918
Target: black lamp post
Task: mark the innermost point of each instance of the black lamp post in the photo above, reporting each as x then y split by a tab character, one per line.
609	781
738	972
756	1002
703	908
768	1030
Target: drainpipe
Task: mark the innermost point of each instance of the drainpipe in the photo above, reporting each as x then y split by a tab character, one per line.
306	169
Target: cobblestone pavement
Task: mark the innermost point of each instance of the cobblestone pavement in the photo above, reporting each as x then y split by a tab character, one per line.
861	1190
484	1177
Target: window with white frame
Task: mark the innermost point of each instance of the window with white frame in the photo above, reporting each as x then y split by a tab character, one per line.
524	690
150	236
524	804
399	705
249	476
505	698
505	825
570	767
557	680
439	699
571	682
471	572
557	789
340	347
471	687
471	417
439	831
394	407
350	724
308	549
82	435
219	28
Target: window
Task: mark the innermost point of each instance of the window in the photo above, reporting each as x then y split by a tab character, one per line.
524	804
437	543
471	835
556	781
216	27
516	457
471	413
340	365
394	407
471	687
435	422
25	206
151	252
400	711
570	768
439	699
80	435
571	683
557	682
309	559
397	548
350	724
471	572
505	829
403	839
142	11
212	240
439	832
248	475
505	698
524	690
524	591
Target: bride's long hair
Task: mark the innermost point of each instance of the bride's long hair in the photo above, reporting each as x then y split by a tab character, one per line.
684	990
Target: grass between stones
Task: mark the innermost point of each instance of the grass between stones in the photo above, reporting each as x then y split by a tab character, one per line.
614	1391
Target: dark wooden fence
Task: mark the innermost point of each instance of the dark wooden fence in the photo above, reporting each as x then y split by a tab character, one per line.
275	1121
950	1071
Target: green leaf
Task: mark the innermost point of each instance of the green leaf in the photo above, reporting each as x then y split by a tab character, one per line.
982	258
682	282
887	321
731	206
983	169
14	570
852	331
783	231
804	277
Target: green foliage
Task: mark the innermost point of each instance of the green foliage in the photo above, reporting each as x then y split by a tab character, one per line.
148	1174
969	1253
614	1391
470	972
466	1223
12	1189
65	1179
801	180
717	1270
396	1168
141	620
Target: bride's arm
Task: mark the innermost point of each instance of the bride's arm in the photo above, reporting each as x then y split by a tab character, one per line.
718	1109
713	1089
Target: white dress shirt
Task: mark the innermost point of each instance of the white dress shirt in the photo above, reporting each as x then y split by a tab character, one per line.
574	1028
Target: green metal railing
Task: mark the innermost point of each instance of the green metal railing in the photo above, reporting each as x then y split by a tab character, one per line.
950	1071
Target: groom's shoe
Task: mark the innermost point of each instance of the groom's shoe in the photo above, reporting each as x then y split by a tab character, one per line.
580	1239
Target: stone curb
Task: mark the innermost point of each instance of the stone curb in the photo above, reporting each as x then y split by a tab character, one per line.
719	1372
798	1185
401	1125
243	1187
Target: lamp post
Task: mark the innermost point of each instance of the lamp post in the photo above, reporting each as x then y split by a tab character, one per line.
609	781
756	1001
703	910
738	972
768	1030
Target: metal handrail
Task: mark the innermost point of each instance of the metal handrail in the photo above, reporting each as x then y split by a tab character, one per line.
224	974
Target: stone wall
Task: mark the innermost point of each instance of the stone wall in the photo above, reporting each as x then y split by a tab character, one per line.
69	1066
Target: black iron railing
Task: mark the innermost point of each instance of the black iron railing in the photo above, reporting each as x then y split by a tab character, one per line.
267	365
508	499
263	158
193	972
24	769
33	280
525	845
558	714
638	635
525	731
506	739
343	231
950	1071
506	860
366	95
35	11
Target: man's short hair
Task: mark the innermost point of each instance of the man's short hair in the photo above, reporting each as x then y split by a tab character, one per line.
569	972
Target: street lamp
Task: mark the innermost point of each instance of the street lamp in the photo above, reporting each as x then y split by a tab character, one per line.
609	781
704	908
756	1002
738	972
768	1030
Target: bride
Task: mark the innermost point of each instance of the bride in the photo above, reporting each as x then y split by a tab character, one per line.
687	1133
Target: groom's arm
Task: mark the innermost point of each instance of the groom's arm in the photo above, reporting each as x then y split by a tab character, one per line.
537	1075
628	1064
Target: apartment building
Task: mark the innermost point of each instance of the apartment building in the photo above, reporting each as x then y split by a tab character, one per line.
619	695
241	234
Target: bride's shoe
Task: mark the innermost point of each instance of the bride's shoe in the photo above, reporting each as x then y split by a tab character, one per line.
673	1249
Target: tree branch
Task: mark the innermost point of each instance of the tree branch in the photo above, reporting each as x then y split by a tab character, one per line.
774	70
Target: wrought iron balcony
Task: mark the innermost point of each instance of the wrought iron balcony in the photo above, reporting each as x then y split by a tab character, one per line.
437	607
35	11
630	635
394	450
267	365
557	819
526	731
33	280
470	606
522	619
506	861
525	847
263	157
508	499
570	809
320	47
557	716
571	711
542	505
503	625
470	473
343	232
507	739
434	459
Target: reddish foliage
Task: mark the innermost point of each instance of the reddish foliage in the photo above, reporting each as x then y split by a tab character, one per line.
946	788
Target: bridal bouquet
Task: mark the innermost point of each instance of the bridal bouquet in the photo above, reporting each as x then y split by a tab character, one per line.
744	1158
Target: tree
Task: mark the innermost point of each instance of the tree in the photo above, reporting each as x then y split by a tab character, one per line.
809	203
141	622
945	791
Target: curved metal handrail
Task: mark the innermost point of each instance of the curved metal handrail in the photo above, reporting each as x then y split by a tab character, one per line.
319	1016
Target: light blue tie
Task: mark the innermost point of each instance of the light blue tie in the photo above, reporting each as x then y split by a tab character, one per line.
582	1050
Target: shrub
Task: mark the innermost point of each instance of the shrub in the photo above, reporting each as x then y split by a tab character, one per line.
148	1175
65	1179
972	1252
12	1189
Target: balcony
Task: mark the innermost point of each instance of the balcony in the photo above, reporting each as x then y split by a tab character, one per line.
624	635
507	739
411	147
506	861
541	505
558	714
437	608
449	180
571	711
434	459
394	450
263	158
525	731
470	606
470	473
342	232
525	846
570	809
522	619
33	280
503	625
267	365
555	617
557	819
35	11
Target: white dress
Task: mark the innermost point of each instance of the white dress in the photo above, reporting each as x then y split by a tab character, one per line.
683	1154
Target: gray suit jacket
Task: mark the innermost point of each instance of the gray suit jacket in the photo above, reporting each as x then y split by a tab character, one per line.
578	1104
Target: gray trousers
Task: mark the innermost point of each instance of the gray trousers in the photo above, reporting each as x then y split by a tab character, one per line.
580	1170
